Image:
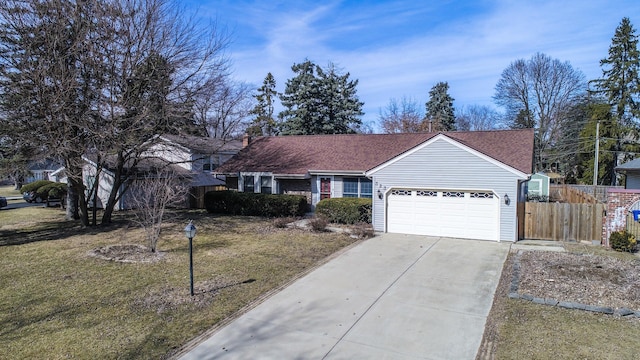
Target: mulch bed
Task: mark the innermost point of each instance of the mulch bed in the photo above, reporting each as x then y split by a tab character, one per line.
585	279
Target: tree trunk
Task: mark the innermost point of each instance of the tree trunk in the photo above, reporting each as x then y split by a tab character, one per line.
72	212
115	194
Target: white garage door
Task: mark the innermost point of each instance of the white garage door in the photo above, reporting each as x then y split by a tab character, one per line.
449	213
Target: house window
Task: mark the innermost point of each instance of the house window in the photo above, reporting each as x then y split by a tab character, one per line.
357	187
350	187
325	188
248	184
208	164
366	188
265	184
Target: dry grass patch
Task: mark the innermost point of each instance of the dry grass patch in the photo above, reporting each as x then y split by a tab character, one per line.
59	302
519	329
9	190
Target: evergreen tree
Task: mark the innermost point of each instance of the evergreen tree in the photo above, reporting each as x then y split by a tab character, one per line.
621	83
608	134
319	101
340	106
264	124
439	108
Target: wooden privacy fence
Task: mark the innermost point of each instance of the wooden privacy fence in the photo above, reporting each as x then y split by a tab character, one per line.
196	195
568	194
563	222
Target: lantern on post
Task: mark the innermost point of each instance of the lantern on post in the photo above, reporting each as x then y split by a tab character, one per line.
190	233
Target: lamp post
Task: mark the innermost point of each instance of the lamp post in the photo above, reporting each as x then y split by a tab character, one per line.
190	233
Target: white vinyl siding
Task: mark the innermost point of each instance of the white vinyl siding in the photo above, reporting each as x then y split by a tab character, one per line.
442	164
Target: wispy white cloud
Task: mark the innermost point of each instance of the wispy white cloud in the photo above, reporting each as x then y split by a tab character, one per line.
404	48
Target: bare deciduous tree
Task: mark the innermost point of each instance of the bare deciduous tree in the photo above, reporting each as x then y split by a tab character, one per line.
539	92
161	62
222	108
402	116
477	118
102	77
150	196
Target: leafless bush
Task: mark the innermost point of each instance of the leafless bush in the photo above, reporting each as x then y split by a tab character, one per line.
150	196
282	222
362	231
319	223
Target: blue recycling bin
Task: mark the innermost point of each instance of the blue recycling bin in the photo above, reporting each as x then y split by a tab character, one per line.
636	214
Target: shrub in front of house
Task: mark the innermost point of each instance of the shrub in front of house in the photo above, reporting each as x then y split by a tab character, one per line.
250	204
622	241
35	186
345	210
53	190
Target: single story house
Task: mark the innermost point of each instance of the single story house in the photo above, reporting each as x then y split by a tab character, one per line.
46	169
631	170
191	157
450	184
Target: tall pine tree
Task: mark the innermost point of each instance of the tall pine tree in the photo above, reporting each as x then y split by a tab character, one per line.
264	124
439	108
620	83
620	86
320	101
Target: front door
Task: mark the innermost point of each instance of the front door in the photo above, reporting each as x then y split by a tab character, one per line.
325	188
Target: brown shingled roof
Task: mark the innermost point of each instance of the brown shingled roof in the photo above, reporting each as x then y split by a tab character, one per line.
361	152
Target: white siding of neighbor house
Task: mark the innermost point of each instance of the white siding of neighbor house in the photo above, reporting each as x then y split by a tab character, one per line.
104	187
172	154
443	164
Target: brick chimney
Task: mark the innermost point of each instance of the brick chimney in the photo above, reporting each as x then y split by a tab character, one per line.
246	140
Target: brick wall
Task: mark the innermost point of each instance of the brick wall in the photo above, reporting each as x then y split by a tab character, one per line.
618	203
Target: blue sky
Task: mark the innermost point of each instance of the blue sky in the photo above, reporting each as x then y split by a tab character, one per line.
403	48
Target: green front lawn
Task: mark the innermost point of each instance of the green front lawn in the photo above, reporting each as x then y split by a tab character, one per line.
59	302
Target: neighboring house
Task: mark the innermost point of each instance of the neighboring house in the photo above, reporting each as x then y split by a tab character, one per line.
46	169
538	186
456	184
631	170
191	157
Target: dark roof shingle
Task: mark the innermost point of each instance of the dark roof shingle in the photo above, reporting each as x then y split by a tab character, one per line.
204	145
362	152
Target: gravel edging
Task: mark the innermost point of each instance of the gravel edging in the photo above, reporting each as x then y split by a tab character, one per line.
514	294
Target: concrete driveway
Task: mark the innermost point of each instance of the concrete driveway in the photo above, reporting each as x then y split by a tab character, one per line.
391	297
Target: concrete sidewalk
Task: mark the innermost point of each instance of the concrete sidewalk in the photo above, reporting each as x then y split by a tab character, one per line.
391	297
